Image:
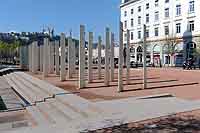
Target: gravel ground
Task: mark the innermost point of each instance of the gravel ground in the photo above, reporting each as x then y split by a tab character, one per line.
188	122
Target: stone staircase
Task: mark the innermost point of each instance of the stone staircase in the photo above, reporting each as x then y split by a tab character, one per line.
49	105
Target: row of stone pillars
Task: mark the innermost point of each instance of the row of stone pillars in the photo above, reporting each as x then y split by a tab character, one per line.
51	58
109	58
120	64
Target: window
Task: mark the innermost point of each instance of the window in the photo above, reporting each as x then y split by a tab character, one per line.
156	31
131	22
139	34
139	8
147	18
166	30
191	26
178	10
156	16
132	11
178	28
147	6
191	6
125	24
147	33
125	13
139	19
166	12
156	2
166	1
131	35
125	37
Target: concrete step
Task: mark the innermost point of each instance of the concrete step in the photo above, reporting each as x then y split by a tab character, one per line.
67	110
43	85
34	83
13	125
37	91
21	89
38	116
13	120
80	105
11	83
54	115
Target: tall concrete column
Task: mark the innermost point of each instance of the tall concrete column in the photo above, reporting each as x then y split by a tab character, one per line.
90	63
161	55
57	66
63	58
120	62
41	57
99	57
144	59
48	56
70	60
24	56
73	57
51	57
128	57
107	73
38	57
45	56
34	57
112	68
82	57
135	54
30	56
152	60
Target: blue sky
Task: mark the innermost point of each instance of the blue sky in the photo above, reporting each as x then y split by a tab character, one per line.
32	15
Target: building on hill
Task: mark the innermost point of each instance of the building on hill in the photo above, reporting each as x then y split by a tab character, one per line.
173	29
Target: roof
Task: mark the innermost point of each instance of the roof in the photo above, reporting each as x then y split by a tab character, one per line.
128	2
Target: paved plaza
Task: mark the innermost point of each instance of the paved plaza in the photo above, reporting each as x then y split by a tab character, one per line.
180	83
66	108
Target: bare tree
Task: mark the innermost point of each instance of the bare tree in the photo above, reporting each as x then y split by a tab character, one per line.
171	41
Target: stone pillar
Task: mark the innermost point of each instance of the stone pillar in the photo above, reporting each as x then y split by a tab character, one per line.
135	54
144	59
24	57
120	62
35	57
30	56
51	57
48	56
70	60
73	57
112	67
82	57
152	60
107	73
41	57
161	55
99	57
57	69
90	62
128	57
38	57
63	58
45	57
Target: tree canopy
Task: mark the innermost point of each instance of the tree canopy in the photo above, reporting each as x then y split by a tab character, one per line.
9	46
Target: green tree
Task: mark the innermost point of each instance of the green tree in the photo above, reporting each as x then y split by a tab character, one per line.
9	50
